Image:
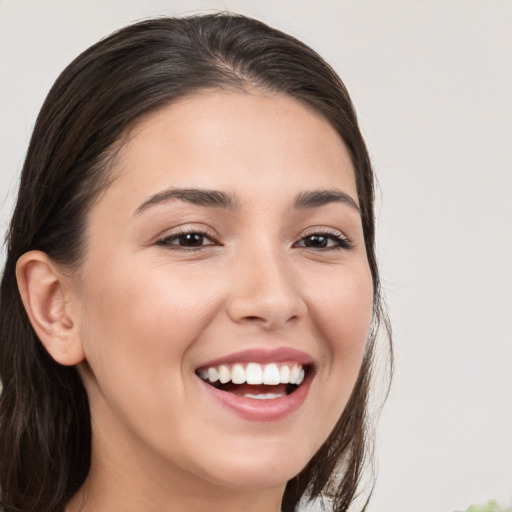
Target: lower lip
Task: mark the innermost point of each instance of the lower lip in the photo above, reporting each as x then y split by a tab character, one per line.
252	409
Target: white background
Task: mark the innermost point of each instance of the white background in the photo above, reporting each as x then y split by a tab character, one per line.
432	82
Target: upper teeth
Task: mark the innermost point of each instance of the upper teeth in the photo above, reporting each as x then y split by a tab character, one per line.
254	373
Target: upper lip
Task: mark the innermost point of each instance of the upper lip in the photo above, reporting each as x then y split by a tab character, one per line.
262	356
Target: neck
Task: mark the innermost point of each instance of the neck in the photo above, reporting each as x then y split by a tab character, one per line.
87	500
134	483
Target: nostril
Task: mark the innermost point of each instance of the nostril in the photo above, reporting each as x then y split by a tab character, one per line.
269	321
266	310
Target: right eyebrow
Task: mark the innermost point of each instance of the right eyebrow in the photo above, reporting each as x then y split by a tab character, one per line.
200	197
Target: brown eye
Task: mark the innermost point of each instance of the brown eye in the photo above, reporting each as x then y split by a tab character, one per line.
190	240
324	241
316	241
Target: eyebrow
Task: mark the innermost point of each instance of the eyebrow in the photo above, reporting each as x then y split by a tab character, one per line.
200	197
317	198
224	200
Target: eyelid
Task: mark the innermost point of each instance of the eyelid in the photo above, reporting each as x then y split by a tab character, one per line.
343	242
167	238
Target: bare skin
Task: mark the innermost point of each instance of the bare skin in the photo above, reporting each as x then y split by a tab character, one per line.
148	308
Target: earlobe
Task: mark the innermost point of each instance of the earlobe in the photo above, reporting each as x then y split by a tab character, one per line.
49	306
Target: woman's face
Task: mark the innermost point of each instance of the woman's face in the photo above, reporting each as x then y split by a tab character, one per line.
230	243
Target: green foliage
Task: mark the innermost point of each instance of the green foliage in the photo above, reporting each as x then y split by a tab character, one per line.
490	506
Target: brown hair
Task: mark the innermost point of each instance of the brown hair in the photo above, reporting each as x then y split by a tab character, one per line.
45	433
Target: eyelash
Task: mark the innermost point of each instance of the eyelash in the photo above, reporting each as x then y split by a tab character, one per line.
340	241
184	232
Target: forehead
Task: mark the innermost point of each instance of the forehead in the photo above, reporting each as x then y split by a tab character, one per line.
246	141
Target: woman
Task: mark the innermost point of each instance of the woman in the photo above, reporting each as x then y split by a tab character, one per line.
190	300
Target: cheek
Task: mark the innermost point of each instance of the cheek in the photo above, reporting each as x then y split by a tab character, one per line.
144	321
343	314
344	311
139	329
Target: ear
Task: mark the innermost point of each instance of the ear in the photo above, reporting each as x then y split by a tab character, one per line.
50	305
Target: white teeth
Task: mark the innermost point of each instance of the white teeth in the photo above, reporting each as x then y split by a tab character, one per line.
271	375
294	374
213	375
264	396
224	374
238	374
284	374
254	373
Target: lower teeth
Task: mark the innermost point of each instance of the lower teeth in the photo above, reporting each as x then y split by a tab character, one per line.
266	396
290	388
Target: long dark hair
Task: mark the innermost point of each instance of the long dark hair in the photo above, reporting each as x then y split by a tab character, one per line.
45	432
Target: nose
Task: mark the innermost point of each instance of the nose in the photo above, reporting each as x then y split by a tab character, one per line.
265	291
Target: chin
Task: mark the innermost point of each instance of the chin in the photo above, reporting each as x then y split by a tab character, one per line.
249	476
256	467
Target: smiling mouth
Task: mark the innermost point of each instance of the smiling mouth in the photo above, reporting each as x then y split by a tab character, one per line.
254	380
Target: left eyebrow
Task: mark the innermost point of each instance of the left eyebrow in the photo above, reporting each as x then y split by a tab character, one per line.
317	198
